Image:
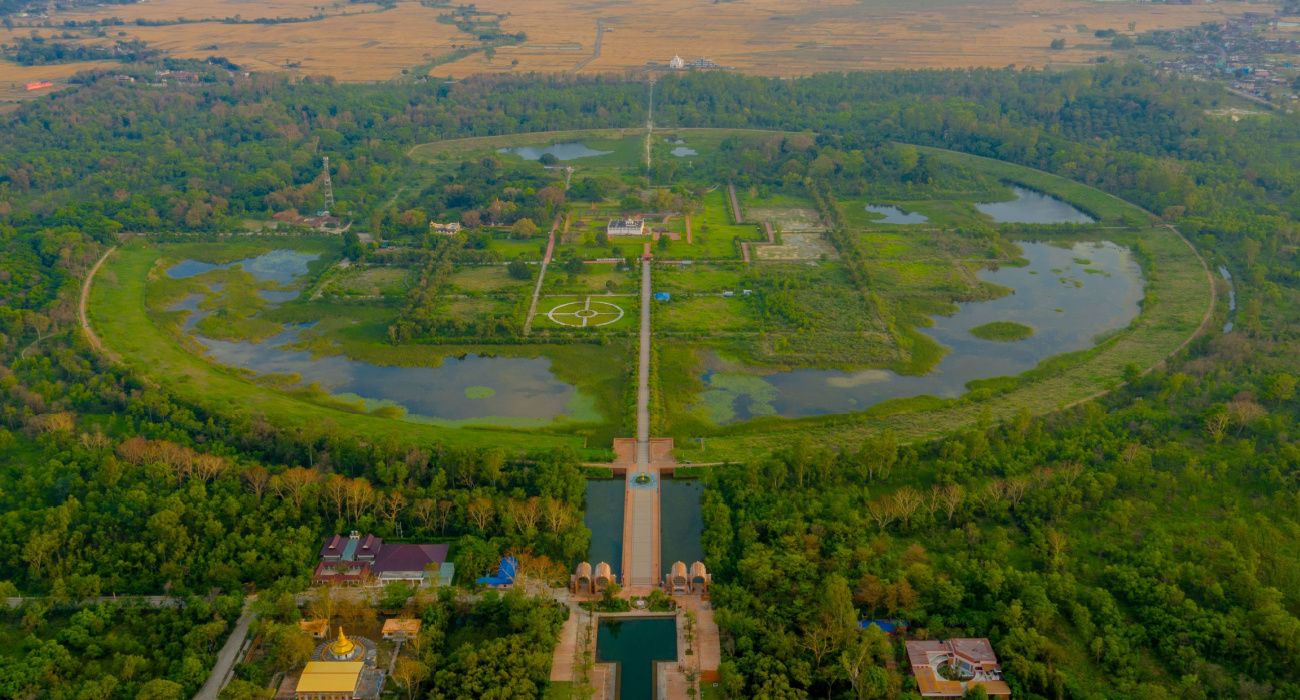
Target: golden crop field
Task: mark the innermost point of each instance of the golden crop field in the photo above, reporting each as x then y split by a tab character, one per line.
777	37
362	42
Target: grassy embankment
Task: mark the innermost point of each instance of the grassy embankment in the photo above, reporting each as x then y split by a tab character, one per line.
119	314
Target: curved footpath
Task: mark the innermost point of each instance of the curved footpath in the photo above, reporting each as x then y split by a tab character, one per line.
84	301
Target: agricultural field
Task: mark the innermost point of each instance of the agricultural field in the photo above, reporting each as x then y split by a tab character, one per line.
369	42
773	38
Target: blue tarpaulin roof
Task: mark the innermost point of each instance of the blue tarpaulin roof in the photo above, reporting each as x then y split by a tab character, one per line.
886	626
505	573
662	296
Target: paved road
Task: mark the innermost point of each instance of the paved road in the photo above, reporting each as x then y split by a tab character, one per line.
640	524
541	275
643	375
227	657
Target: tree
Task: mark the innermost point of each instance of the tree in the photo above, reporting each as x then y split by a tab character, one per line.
518	269
1057	44
551	197
287	646
480	512
413	221
161	689
352	249
395	594
524	228
409	674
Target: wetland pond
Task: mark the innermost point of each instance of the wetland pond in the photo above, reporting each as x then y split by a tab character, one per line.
1070	297
635	644
561	151
478	389
1030	207
894	215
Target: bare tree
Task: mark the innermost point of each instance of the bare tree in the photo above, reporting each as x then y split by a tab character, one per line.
360	497
424	510
480	512
1015	490
953	495
881	512
555	512
337	487
391	506
293	484
444	513
208	467
905	501
256	477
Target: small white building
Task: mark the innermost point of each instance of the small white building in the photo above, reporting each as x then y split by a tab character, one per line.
448	229
626	227
677	63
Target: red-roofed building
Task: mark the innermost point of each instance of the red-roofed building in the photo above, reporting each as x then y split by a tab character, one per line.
948	669
357	559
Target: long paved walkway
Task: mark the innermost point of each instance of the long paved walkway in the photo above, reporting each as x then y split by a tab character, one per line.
541	276
641	501
643	374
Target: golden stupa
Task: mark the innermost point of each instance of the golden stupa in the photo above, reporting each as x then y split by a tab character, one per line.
342	647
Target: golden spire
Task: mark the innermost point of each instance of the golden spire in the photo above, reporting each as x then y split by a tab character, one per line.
342	647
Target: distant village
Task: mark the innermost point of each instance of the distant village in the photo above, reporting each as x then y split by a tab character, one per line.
1255	55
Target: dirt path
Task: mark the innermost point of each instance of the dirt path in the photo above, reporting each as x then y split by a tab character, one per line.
689	240
595	48
735	203
84	301
649	123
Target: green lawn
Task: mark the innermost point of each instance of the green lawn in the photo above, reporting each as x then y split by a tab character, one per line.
703	315
526	248
626	148
607	314
488	279
714	231
361	281
592	279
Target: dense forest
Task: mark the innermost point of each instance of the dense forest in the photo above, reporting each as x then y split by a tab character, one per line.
1143	546
111	650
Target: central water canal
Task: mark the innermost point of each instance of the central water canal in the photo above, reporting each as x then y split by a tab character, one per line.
634	645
